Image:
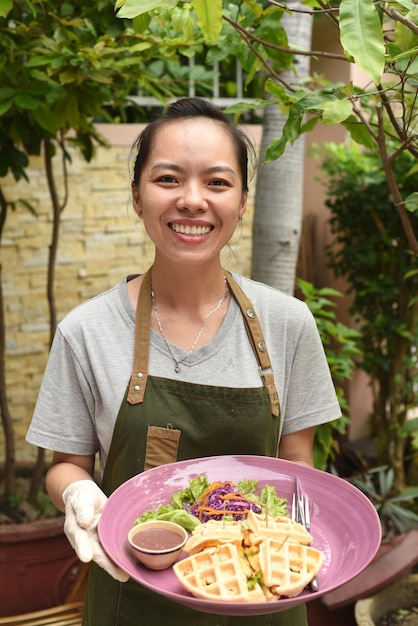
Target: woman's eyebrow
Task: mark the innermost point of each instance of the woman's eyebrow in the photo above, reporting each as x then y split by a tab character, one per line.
166	165
215	169
220	168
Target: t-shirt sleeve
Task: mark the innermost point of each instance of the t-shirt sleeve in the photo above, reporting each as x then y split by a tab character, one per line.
311	399
63	415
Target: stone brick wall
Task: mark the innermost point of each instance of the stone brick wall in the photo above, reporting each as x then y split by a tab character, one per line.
101	241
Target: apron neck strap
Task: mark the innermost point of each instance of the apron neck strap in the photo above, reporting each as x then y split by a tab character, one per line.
256	337
139	374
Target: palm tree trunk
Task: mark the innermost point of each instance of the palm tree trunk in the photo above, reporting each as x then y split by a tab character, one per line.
279	192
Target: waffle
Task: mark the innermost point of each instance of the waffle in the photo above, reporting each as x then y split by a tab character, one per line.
214	533
214	574
263	527
258	549
288	568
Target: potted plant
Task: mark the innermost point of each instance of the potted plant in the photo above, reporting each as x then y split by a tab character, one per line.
398	600
378	484
393	585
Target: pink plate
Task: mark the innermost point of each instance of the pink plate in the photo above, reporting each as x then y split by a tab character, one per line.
344	524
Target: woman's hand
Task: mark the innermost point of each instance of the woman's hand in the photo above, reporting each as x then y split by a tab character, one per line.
84	502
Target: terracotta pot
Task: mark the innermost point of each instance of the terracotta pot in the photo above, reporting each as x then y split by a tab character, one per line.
320	615
399	595
37	566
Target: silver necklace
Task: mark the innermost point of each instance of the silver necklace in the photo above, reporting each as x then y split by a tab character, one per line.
199	334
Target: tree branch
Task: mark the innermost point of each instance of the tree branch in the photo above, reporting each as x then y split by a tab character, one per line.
359	113
404	20
297	51
6	418
285	7
246	36
393	186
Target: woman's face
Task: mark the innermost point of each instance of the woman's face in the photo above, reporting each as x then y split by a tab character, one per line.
190	191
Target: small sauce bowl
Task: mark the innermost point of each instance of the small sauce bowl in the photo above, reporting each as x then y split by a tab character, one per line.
157	544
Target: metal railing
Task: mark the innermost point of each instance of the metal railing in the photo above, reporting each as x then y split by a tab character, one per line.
216	97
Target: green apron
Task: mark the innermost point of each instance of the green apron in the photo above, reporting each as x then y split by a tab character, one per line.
161	421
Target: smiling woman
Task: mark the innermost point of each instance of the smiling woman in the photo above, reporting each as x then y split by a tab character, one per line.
184	361
190	207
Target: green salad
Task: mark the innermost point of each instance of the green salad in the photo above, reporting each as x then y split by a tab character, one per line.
203	500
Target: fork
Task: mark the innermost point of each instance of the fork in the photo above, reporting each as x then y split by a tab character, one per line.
301	514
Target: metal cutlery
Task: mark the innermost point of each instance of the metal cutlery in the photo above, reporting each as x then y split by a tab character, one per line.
301	513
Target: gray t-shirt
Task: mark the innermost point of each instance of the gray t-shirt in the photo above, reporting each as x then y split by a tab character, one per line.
90	365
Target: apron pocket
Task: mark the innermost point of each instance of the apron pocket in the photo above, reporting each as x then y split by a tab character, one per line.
162	446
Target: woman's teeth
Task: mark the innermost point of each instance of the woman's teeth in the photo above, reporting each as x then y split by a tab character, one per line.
186	229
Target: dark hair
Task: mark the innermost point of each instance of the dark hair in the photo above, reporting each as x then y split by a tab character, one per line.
186	108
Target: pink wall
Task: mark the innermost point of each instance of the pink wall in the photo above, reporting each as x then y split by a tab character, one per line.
324	38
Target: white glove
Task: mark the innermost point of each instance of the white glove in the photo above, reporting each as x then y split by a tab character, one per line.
84	502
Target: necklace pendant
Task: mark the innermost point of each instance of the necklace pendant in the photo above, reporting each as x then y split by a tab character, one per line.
199	334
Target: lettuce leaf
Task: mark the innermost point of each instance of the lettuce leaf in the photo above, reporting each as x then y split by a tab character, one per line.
191	493
273	504
179	516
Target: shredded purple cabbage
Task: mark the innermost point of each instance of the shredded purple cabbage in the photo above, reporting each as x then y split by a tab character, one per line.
215	501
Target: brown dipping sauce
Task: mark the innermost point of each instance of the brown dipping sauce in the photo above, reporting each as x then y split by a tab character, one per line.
156	539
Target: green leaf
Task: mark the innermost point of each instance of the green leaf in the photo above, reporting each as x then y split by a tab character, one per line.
411	202
209	18
37	61
336	111
5	105
28	206
405	38
359	133
403	519
133	8
386	480
271	31
293	126
407	54
407	4
7	92
64	114
273	503
409	493
410	426
275	89
309	125
361	36
5	7
25	101
242	107
11	158
43	118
